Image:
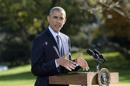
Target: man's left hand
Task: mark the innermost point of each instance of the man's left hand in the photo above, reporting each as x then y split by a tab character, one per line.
83	63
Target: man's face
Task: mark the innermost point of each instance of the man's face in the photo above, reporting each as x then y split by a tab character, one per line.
56	20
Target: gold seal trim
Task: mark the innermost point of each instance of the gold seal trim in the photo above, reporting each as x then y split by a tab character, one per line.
104	77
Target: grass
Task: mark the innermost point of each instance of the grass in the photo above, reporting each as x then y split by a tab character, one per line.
21	76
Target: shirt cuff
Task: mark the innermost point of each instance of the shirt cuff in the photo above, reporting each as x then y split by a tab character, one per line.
57	65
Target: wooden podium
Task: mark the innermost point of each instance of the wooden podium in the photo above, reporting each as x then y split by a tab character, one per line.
81	78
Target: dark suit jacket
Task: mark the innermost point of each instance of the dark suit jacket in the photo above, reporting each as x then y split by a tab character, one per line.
44	53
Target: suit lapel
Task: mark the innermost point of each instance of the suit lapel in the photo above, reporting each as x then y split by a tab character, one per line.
51	40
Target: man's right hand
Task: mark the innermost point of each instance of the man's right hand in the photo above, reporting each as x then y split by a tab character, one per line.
68	64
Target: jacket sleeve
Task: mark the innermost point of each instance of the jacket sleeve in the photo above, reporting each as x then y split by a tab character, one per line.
39	66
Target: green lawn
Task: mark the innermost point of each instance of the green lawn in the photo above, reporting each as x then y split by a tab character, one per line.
21	76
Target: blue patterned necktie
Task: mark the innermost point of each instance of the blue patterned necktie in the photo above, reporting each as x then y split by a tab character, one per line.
60	45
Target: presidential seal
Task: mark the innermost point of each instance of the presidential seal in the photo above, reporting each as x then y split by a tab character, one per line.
104	77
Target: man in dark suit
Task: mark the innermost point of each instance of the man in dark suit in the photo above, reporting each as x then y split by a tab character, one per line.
51	50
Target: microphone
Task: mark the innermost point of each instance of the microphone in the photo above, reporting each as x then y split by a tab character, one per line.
96	55
99	54
91	53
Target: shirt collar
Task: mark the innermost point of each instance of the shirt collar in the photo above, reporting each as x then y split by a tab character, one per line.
53	32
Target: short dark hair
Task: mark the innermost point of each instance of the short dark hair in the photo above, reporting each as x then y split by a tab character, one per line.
57	8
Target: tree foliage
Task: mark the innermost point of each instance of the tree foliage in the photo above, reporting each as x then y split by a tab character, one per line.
21	20
116	29
115	19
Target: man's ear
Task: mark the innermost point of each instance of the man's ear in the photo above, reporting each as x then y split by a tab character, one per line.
65	20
